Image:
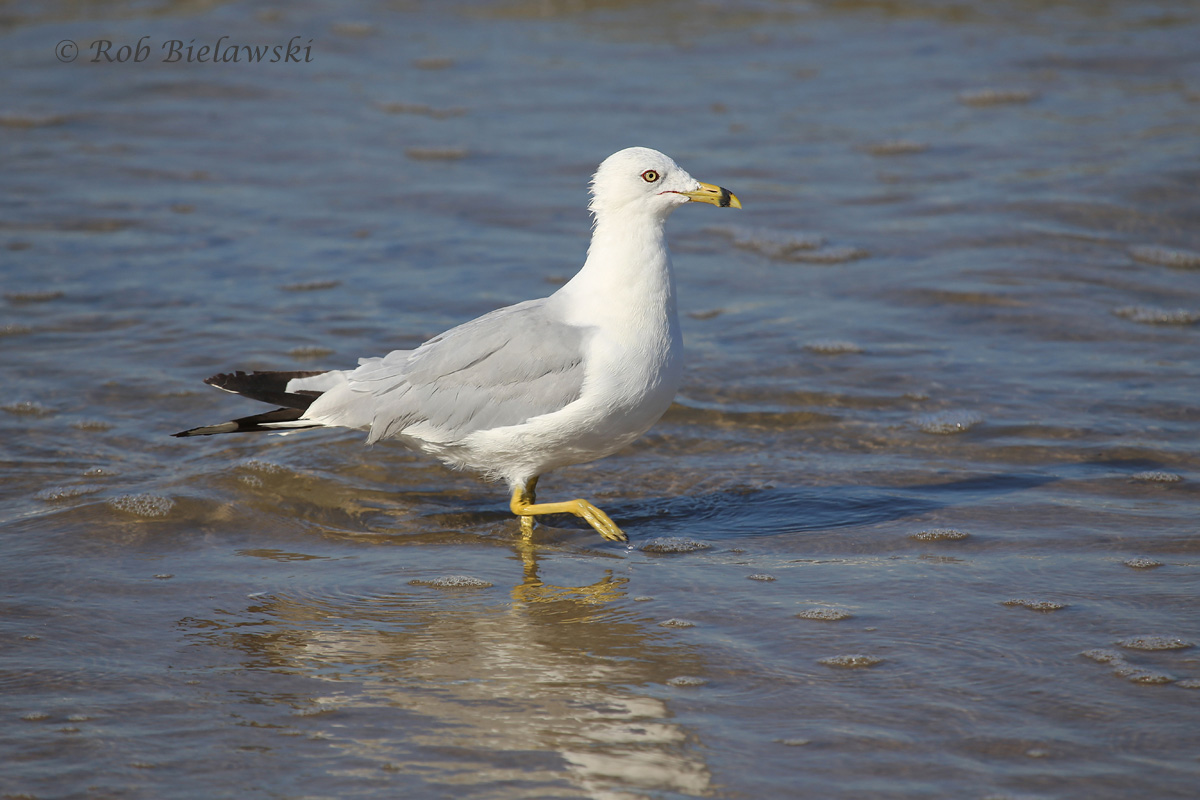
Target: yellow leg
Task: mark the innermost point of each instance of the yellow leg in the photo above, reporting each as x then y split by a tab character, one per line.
523	506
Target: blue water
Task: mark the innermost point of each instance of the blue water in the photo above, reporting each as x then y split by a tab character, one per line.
942	387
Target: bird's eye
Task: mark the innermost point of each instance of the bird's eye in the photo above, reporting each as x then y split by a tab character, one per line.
649	176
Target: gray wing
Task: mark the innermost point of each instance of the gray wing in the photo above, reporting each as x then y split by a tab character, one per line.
501	369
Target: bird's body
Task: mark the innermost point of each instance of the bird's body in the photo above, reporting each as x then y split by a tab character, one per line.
534	386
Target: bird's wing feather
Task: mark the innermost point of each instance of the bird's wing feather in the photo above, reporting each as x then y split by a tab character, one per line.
501	369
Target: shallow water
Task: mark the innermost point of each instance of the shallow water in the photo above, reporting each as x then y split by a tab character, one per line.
922	523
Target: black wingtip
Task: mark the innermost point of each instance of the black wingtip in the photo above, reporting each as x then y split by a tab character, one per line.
236	426
202	431
259	423
267	387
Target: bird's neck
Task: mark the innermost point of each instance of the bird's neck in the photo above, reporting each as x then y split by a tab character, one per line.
627	278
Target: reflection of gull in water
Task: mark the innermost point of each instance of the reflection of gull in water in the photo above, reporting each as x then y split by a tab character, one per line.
488	694
535	386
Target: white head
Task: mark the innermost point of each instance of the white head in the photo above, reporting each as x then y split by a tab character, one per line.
643	181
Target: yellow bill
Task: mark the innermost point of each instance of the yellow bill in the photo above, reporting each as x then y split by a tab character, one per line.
714	195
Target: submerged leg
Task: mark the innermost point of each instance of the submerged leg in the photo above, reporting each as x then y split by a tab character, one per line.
524	506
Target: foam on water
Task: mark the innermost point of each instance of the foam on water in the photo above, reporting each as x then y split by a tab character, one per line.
824	614
832	347
1150	315
1101	656
92	425
1155	643
33	296
57	494
452	582
28	408
264	467
829	255
940	535
1165	256
851	661
311	352
1143	675
686	681
676	623
1036	605
673	544
146	505
945	423
1156	476
780	245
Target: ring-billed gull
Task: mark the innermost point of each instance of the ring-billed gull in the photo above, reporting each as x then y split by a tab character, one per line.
541	384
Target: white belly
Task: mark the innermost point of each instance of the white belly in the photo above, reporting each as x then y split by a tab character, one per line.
626	391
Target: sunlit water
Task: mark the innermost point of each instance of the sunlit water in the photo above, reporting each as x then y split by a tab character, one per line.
923	522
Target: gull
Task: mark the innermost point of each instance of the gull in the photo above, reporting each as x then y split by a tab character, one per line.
542	384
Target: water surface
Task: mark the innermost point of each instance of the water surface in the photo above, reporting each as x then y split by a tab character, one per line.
922	522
